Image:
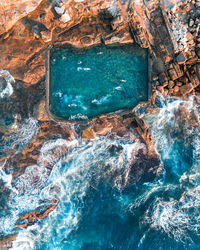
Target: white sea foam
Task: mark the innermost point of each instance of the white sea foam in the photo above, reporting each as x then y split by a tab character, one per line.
74	101
178	216
19	139
58	94
83	69
78	116
102	100
6	178
85	165
73	174
118	88
7	90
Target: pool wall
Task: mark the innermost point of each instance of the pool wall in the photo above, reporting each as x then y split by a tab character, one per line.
67	45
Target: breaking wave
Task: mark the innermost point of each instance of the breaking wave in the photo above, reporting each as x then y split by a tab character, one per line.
100	204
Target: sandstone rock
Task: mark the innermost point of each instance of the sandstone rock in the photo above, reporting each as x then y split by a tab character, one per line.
158	65
198	52
192	60
30	217
161	89
198	71
171	84
143	130
13	10
88	133
30	154
40	111
176	90
46	36
155	25
6	243
102	126
166	91
163	79
179	84
186	89
194	79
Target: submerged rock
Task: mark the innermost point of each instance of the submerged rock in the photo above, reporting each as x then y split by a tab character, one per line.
40	213
6	243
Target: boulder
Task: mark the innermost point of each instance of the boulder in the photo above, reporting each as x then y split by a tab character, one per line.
88	133
181	58
6	242
186	89
41	212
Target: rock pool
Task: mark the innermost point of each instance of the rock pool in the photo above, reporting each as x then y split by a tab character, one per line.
85	83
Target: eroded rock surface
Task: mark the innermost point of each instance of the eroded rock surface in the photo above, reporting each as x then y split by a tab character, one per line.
30	218
168	28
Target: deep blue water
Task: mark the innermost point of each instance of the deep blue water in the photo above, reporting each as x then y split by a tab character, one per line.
100	205
98	80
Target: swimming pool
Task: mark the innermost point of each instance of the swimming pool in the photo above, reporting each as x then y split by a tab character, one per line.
84	83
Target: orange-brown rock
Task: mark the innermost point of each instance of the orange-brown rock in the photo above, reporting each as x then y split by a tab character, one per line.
121	124
33	216
109	124
88	133
155	25
6	242
186	89
140	126
79	23
102	126
13	10
186	118
48	131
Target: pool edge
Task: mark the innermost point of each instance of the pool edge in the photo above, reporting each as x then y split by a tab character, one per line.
60	120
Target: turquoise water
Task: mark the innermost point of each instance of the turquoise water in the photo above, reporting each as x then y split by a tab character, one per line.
102	79
111	195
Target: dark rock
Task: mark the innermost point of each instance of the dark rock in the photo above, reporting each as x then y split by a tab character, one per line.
158	66
181	58
163	79
191	22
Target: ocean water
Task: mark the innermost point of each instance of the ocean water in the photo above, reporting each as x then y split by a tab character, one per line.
88	82
100	204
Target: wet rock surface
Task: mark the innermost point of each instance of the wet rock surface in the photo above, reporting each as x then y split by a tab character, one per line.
41	212
169	29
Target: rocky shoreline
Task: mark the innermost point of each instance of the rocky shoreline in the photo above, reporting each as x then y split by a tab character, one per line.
169	29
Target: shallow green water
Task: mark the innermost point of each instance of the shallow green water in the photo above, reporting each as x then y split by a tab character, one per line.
102	79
